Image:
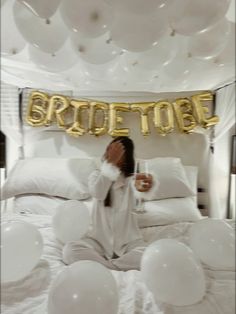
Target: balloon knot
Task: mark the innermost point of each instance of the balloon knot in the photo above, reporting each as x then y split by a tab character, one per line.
94	16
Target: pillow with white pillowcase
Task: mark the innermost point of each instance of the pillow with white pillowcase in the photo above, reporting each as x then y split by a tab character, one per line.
42	204
168	211
172	210
63	177
37	204
192	175
171	176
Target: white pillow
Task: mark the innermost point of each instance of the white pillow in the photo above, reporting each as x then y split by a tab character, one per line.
170	173
61	177
192	175
37	204
168	211
41	204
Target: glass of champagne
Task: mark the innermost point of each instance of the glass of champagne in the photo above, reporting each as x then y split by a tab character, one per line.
140	183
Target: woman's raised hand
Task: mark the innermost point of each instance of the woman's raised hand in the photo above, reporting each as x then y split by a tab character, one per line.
143	182
115	153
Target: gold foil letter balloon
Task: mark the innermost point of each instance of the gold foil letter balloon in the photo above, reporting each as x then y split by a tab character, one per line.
77	129
184	114
114	119
57	107
37	108
201	110
143	109
94	109
104	118
163	117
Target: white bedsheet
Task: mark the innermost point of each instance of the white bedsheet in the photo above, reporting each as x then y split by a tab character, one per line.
29	296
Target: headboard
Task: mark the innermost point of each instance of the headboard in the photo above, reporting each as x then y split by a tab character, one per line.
193	149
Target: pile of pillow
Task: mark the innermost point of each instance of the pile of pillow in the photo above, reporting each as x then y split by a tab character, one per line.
175	199
61	177
39	185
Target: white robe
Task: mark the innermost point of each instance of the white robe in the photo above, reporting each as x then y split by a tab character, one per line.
115	230
115	227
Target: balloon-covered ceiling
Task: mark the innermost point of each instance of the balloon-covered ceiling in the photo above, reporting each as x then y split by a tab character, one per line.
148	45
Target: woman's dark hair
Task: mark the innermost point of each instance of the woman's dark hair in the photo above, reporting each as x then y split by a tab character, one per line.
128	165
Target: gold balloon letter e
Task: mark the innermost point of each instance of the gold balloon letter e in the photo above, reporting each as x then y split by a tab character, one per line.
114	119
202	110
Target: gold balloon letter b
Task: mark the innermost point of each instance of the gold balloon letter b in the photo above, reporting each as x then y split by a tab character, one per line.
37	108
184	114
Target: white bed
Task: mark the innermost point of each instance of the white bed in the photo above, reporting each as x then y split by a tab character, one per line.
29	296
164	218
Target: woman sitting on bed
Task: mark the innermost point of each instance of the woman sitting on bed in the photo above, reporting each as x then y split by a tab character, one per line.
115	240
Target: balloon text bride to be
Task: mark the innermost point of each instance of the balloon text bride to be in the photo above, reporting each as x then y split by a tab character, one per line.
71	114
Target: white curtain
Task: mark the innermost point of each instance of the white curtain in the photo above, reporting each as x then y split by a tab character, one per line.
220	159
10	116
225	109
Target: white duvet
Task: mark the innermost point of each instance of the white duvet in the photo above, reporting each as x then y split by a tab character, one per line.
29	296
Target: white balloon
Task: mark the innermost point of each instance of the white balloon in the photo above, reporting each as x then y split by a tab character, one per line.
84	287
71	221
173	274
48	35
103	72
211	42
153	59
188	73
75	76
138	33
227	56
230	15
90	17
12	42
201	73
180	68
43	8
21	248
189	17
213	241
140	6
132	72
95	50
58	61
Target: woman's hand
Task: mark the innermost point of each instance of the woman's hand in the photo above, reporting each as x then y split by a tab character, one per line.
143	182
115	153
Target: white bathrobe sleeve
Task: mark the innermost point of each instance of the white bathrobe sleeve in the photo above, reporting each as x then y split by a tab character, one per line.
101	180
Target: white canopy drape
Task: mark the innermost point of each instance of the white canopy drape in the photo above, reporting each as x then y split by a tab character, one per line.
220	159
10	116
225	109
